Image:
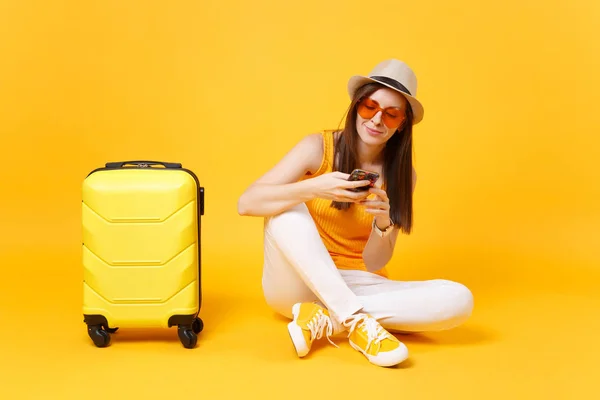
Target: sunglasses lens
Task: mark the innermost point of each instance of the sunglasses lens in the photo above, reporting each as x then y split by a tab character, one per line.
392	120
367	108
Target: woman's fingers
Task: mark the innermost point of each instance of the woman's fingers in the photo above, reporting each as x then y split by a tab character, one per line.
340	175
379	192
375	204
376	211
350	196
355	184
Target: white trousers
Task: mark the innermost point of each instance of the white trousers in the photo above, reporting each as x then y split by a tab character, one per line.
298	268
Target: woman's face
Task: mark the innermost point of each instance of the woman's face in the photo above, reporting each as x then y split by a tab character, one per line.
383	113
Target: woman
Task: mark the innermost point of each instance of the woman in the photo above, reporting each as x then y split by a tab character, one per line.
327	243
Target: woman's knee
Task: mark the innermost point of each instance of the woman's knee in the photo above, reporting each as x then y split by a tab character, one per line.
455	303
289	217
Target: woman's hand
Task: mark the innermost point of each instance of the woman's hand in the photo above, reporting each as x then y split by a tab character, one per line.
377	252
335	186
379	207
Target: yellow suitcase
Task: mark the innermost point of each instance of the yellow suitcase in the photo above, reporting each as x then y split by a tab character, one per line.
141	249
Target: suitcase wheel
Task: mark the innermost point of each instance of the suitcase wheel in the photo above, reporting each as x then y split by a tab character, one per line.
197	325
187	336
99	336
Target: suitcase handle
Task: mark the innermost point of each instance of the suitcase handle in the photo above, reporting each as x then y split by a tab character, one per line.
141	164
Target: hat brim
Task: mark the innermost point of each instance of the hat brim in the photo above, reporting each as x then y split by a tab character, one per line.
355	82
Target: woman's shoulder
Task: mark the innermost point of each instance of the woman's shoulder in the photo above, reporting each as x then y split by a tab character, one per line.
312	146
318	148
313	140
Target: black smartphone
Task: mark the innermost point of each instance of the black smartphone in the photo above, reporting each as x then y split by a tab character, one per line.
360	175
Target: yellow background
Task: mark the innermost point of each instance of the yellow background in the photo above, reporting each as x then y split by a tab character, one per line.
507	199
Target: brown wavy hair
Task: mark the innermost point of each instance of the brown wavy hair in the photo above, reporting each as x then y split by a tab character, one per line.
397	161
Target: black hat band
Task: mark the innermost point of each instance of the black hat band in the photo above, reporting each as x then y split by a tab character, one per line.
392	82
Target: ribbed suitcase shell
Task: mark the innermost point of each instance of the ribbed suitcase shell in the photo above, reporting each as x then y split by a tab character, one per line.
141	246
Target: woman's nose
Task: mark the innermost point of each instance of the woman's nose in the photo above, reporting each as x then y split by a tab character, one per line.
376	118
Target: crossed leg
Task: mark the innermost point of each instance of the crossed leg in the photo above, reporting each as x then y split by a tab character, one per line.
298	268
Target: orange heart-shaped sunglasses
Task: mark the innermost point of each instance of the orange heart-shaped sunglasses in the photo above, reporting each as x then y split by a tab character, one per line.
392	117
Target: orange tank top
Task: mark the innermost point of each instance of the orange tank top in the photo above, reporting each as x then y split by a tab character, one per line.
344	232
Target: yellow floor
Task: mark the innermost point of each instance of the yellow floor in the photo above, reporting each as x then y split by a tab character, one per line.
507	200
523	342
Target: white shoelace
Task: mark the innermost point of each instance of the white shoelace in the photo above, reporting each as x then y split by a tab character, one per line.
375	332
319	324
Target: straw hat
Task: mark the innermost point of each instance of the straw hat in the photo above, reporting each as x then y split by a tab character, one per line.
396	75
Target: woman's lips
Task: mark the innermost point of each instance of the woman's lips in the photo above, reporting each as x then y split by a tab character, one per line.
372	132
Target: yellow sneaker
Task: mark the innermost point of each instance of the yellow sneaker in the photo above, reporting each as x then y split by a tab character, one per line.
310	322
368	337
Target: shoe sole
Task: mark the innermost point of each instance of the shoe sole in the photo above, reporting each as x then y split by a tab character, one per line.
382	360
296	334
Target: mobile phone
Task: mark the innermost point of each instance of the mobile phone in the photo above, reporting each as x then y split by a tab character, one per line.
360	175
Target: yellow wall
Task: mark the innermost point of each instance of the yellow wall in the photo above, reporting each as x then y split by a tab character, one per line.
506	155
507	199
